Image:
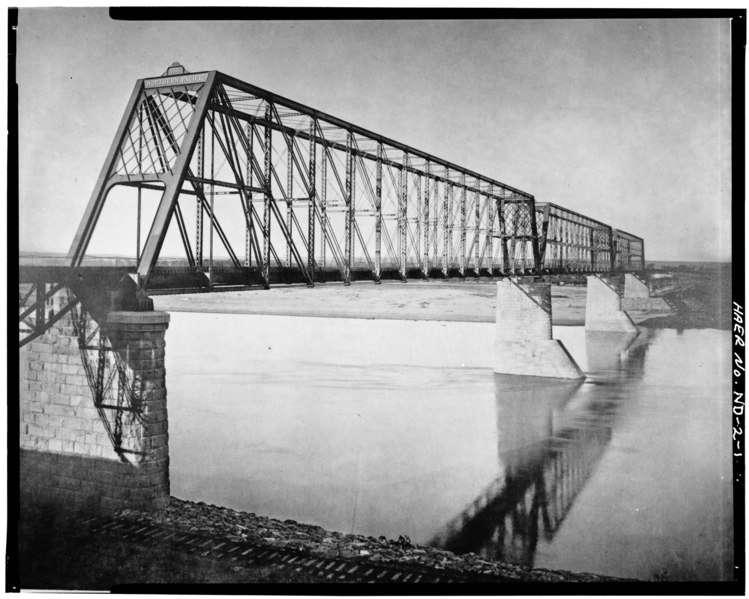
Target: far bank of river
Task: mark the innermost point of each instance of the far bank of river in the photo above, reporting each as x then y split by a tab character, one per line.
467	301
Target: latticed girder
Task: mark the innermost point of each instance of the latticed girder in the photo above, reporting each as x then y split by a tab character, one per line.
629	251
572	242
301	190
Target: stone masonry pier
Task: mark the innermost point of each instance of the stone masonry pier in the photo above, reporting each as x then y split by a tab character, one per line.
80	450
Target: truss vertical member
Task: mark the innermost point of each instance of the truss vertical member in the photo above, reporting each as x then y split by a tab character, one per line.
642	254
378	214
267	197
477	231
419	223
402	214
137	226
535	245
323	204
289	197
425	263
354	226
101	364
446	223
450	225
140	189
504	228
311	174
463	225
41	293
543	235
199	200
213	210
492	203
436	255
348	239
248	179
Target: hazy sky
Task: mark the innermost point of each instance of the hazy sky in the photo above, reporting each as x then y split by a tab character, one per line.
627	121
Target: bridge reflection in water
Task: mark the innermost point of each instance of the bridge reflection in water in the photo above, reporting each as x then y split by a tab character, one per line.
551	435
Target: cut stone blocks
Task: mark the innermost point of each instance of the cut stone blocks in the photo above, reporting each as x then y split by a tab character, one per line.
523	340
603	308
67	429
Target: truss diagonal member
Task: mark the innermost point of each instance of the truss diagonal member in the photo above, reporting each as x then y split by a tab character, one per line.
41	297
327	232
462	251
425	263
256	217
363	246
543	233
477	230
348	242
378	214
402	215
312	199
160	152
252	167
183	234
233	162
446	223
49	323
270	203
267	198
96	201
492	205
164	126
289	198
173	181
207	208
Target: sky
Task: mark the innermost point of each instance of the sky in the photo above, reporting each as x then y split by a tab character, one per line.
626	121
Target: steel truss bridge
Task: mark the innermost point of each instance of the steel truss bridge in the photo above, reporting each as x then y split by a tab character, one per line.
263	189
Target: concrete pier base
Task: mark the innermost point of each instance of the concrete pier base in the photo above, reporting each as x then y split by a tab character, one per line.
523	341
636	293
603	308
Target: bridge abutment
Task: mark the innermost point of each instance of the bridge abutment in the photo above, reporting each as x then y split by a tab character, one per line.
523	336
603	308
105	450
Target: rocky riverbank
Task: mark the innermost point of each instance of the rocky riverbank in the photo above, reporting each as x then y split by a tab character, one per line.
233	525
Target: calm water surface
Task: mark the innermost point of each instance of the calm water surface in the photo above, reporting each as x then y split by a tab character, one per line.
401	427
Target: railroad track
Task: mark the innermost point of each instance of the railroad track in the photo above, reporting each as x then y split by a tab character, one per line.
327	569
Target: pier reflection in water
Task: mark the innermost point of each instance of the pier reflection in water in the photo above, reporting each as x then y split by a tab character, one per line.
548	446
401	427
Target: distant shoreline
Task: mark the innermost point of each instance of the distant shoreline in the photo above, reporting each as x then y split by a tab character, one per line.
58	256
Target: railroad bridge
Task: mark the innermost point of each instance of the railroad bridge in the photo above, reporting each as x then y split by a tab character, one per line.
259	189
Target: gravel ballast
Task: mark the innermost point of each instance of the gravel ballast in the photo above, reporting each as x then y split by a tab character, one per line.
239	526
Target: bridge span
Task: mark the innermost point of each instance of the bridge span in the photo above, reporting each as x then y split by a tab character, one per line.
261	189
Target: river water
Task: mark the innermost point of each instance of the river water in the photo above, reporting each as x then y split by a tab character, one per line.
396	428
